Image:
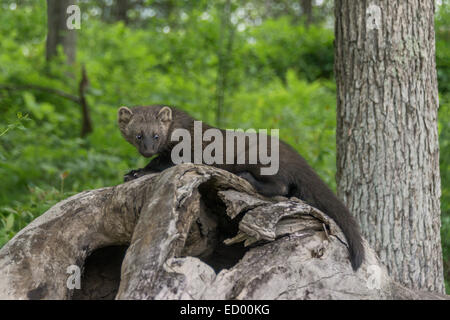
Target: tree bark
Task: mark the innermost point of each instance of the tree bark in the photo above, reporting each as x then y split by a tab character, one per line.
387	138
58	33
190	232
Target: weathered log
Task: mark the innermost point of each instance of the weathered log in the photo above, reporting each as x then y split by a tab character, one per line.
190	232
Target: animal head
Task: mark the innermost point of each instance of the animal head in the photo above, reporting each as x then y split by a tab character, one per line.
147	128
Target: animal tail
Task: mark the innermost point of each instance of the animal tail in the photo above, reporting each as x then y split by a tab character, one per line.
329	203
319	195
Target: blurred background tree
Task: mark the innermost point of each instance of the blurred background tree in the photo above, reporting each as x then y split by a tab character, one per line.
57	32
240	64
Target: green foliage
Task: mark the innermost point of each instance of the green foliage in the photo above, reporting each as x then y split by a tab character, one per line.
443	71
444	144
442	29
279	46
279	75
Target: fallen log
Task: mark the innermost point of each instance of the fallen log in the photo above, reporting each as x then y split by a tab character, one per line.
190	232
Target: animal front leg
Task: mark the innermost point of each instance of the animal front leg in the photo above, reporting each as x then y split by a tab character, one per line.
158	164
134	174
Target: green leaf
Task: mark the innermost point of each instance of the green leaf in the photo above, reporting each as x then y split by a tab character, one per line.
9	222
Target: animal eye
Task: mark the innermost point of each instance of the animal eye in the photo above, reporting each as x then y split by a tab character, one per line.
138	137
156	137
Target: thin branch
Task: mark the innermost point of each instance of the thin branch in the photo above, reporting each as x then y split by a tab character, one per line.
87	122
80	100
41	88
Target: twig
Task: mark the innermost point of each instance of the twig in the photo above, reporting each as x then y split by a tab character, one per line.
87	122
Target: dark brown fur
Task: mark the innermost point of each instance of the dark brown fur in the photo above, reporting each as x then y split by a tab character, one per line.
294	178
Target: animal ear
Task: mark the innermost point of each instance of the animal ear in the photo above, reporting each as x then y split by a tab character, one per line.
165	114
124	116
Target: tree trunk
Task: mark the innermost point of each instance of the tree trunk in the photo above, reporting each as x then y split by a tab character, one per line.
307	11
121	10
387	138
190	232
58	33
225	48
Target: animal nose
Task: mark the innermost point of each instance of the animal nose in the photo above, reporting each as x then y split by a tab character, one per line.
149	145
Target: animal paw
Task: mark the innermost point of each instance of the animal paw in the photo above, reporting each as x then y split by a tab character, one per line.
247	176
133	174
